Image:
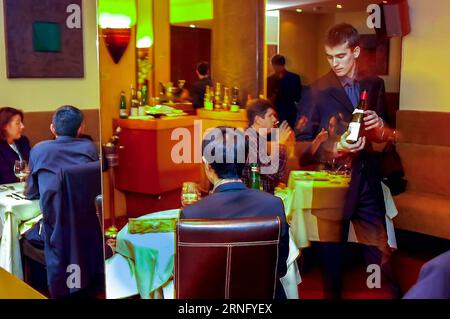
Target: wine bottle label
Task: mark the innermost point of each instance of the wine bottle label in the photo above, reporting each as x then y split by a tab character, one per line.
356	111
353	128
123	113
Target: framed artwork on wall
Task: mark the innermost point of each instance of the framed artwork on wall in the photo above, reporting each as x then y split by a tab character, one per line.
44	39
374	57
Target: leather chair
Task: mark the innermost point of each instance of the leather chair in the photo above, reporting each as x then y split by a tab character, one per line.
227	259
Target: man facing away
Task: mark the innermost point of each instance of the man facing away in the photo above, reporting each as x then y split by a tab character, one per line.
230	198
198	89
338	93
284	90
48	157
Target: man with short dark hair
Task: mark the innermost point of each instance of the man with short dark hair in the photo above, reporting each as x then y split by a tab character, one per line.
198	88
338	92
48	157
224	153
284	90
262	118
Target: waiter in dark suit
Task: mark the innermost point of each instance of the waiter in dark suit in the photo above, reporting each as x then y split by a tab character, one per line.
230	198
338	93
284	90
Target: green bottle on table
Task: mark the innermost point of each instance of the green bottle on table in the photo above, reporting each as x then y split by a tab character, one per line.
255	178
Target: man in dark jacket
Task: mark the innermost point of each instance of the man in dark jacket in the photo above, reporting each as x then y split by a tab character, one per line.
284	90
198	88
48	157
230	198
338	93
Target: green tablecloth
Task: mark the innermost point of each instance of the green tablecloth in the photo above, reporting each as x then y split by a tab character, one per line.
150	255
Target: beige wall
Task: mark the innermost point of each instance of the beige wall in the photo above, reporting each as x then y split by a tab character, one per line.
161	42
298	43
425	83
47	94
324	22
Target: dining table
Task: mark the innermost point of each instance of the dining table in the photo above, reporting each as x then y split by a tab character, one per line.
314	207
12	287
17	215
144	259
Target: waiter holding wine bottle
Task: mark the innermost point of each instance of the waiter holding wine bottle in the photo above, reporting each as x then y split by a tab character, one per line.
341	91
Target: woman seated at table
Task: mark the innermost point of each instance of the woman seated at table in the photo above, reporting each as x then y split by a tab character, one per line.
336	127
13	145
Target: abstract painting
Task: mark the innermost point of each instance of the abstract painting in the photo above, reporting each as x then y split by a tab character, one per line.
44	39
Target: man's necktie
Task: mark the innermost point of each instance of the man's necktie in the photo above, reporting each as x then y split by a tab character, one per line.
352	93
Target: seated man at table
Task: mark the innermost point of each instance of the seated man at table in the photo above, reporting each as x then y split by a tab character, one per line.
48	157
262	118
230	198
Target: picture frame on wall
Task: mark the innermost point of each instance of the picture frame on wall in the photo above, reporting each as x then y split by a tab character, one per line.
44	39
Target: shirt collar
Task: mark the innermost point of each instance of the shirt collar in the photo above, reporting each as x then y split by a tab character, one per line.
230	186
347	81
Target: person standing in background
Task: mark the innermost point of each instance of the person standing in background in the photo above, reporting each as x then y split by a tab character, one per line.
284	90
196	93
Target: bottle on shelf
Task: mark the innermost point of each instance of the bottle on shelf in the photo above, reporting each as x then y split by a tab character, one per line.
356	125
255	178
226	99
134	102
217	97
141	106
234	99
208	101
144	95
123	112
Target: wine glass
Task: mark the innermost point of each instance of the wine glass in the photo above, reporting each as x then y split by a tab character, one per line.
21	169
190	193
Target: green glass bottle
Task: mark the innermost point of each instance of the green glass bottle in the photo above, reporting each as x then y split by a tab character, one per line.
144	95
123	114
255	178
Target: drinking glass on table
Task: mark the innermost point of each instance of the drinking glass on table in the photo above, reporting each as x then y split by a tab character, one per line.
21	169
190	193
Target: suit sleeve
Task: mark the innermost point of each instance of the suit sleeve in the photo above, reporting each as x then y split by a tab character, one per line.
298	91
381	134
311	112
32	187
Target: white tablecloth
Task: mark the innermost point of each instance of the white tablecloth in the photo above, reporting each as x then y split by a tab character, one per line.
146	263
311	192
12	213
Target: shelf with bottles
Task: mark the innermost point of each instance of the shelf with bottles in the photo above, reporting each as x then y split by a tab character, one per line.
221	100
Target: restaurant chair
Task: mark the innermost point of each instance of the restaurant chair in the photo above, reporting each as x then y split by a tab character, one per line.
99	210
33	265
227	259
